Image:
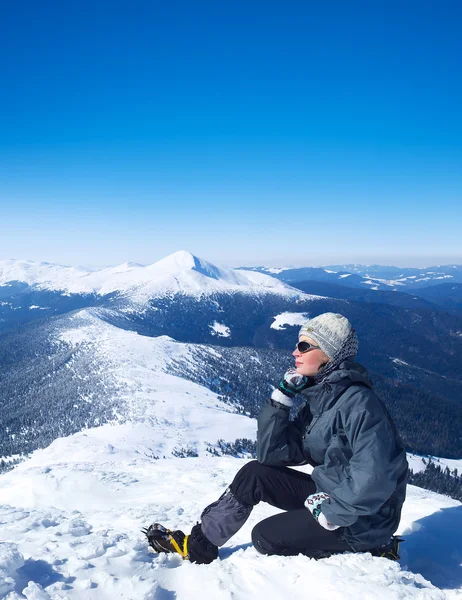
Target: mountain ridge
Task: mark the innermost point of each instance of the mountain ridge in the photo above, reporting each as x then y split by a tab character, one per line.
178	272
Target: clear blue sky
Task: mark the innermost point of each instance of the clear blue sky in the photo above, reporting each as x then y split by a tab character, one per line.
245	132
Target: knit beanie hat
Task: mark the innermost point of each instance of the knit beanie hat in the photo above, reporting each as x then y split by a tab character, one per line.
336	337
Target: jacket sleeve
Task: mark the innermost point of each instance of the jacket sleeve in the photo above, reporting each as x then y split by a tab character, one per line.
374	468
279	440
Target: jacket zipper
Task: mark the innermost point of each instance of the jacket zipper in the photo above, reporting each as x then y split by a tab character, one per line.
312	424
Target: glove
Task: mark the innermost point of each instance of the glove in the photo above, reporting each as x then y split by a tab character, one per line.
291	384
313	504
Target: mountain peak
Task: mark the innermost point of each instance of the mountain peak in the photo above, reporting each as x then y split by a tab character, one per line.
185	261
182	259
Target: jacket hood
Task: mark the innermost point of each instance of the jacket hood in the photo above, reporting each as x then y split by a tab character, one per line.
350	370
323	395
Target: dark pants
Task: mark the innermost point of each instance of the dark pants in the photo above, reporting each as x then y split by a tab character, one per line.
288	533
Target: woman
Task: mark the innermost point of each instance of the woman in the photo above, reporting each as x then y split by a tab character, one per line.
352	500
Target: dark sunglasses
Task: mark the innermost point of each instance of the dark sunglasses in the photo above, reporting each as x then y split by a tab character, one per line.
303	347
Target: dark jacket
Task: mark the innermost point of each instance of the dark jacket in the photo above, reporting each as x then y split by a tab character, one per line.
346	433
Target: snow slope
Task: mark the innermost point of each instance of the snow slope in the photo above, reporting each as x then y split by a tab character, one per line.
182	413
417	464
70	521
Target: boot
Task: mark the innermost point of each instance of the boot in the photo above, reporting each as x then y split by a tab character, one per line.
389	550
194	547
162	539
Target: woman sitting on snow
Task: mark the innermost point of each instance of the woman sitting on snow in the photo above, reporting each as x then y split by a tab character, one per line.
352	500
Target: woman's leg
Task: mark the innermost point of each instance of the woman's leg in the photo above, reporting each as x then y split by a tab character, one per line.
284	488
297	532
281	487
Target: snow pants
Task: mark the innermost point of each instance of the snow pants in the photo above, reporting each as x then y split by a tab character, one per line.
288	533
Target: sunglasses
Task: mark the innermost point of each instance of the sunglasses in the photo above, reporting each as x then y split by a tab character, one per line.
303	347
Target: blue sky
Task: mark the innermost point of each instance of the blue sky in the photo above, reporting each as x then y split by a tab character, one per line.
244	132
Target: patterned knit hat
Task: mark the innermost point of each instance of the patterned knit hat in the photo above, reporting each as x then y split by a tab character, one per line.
333	333
335	336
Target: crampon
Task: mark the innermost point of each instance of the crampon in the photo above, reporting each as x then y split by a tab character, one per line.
161	539
389	550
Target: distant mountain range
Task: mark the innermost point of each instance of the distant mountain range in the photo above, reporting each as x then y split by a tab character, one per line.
74	346
374	277
440	286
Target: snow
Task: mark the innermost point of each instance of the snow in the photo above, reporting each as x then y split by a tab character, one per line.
180	272
180	410
416	462
288	318
220	330
71	516
398	361
10	561
344	275
276	270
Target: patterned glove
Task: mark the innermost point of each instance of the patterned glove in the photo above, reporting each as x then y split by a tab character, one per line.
313	504
291	384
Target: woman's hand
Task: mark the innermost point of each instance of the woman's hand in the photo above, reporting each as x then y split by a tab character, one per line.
292	383
313	504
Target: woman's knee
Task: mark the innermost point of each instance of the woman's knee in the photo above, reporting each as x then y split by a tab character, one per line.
260	541
245	481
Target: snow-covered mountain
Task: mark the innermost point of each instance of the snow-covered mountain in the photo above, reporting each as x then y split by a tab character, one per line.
180	272
179	410
82	371
32	291
70	520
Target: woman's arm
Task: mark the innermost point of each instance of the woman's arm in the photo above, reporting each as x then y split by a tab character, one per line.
279	440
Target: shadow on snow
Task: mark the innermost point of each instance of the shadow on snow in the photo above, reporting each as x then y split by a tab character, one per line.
434	548
40	572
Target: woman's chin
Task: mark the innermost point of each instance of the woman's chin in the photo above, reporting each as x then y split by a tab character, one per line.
301	370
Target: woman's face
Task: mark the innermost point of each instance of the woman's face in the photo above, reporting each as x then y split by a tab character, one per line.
309	362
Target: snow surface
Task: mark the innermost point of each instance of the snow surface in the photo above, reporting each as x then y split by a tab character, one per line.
220	330
183	413
276	270
180	272
288	318
417	464
70	521
398	361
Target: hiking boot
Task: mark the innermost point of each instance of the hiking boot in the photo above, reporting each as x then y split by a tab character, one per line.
162	539
389	550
